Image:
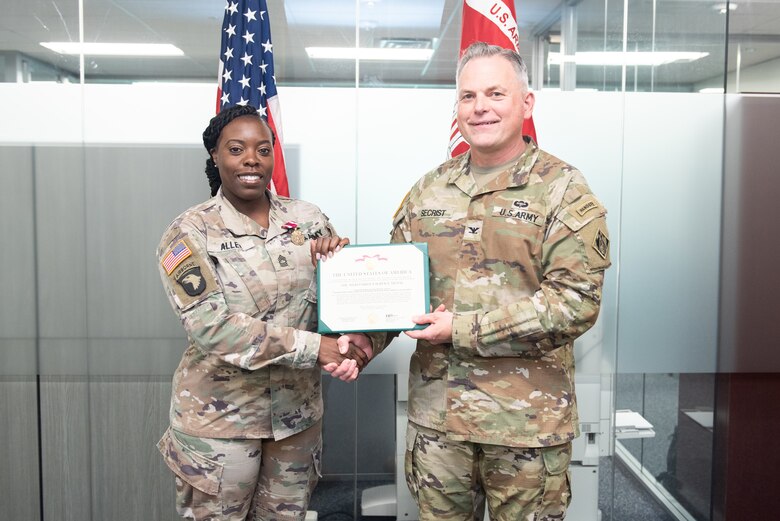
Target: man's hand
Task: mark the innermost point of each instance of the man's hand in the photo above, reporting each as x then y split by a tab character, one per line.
346	371
347	363
361	341
440	329
324	247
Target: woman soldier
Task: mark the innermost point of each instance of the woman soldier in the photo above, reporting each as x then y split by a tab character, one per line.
245	437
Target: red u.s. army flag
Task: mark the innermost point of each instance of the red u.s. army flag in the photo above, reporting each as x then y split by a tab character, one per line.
493	22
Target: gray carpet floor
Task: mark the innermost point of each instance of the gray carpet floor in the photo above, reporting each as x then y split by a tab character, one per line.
621	498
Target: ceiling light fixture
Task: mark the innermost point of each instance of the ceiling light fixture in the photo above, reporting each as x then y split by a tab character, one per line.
369	53
722	7
712	90
625	58
114	49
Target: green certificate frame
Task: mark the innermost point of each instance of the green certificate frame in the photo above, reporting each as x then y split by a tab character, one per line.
373	287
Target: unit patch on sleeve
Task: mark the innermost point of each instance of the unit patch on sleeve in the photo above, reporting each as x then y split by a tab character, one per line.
175	256
189	278
601	244
587	206
595	242
192	281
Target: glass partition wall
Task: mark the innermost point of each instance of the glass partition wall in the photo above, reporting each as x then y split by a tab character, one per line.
100	152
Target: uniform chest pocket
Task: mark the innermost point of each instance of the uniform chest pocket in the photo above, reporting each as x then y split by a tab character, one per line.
516	229
308	319
248	279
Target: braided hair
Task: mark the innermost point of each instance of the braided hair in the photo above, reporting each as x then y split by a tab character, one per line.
213	131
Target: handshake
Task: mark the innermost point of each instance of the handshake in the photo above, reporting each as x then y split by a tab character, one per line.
346	355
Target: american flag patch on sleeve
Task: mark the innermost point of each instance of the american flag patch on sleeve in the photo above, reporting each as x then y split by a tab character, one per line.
178	253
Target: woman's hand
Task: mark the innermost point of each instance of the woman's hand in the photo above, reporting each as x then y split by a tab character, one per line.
348	371
341	363
324	247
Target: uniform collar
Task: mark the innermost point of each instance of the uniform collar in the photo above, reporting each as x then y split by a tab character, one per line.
514	176
239	224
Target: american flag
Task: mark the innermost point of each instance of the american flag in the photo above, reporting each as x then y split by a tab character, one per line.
493	22
178	253
246	72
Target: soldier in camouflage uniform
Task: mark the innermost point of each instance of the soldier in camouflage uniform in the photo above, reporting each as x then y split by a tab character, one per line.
518	245
245	436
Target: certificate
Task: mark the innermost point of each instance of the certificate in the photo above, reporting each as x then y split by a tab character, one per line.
376	287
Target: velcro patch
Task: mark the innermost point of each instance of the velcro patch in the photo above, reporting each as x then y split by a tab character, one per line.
596	241
516	214
473	231
433	212
586	206
601	244
583	211
175	256
191	279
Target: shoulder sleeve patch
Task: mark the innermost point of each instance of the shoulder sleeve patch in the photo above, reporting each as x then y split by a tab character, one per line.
400	212
586	204
189	278
595	238
581	212
175	256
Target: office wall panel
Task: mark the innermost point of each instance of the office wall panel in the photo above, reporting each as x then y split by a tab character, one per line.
65	449
61	244
375	420
132	194
18	394
63	356
19	449
598	154
17	356
130	480
749	276
670	233
17	258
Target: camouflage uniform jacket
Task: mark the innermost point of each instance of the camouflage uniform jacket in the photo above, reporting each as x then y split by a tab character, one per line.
520	264
247	300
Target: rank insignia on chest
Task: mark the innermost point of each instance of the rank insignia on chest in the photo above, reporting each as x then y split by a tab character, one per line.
282	261
473	231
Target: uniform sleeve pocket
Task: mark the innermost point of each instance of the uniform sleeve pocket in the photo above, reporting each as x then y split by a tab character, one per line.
197	470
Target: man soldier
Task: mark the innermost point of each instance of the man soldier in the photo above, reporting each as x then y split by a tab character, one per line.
518	246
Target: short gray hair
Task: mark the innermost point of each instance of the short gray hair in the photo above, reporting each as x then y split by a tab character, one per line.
484	50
